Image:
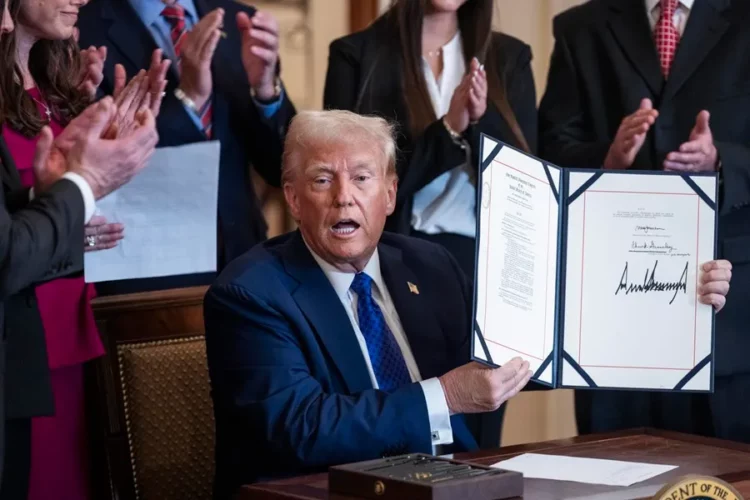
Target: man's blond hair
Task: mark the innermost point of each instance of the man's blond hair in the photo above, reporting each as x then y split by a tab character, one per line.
310	130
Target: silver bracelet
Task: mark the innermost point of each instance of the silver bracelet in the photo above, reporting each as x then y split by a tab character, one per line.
182	96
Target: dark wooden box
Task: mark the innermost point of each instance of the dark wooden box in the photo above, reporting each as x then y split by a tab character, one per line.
423	477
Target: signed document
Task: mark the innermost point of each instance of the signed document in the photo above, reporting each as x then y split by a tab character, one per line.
592	275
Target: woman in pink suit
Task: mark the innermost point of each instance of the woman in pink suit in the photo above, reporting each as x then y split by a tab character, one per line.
52	81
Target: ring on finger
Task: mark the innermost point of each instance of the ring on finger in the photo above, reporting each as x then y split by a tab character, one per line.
91	240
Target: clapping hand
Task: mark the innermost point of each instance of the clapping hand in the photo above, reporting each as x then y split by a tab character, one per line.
92	70
477	84
260	51
196	53
630	137
699	154
144	91
469	101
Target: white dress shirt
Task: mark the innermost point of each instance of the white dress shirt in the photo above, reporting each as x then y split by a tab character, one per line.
681	14
448	203
437	407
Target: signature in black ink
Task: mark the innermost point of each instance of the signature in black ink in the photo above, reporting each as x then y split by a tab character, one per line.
665	247
651	285
648	229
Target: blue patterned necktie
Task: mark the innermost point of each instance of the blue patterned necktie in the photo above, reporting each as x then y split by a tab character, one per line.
385	355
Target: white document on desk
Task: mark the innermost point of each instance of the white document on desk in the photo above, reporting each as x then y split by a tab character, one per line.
582	470
169	211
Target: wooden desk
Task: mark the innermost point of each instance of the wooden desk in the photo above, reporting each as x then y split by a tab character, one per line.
694	455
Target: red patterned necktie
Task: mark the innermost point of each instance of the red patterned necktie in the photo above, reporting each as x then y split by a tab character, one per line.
666	35
175	16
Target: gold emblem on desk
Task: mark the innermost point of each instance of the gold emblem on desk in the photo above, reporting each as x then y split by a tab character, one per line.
698	488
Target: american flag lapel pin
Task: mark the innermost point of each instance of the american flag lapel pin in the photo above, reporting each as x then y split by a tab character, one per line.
413	288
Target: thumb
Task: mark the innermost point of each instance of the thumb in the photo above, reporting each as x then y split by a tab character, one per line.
42	152
243	21
101	116
646	104
701	123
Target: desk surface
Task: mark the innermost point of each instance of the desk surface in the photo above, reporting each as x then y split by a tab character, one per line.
694	455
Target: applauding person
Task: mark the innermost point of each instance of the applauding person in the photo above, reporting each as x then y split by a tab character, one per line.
49	84
223	85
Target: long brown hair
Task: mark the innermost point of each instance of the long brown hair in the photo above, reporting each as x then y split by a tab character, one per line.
55	66
475	24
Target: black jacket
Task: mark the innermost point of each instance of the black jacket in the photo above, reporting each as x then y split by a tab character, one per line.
39	241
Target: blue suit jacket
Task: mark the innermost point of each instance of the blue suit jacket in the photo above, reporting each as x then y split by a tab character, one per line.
291	390
246	136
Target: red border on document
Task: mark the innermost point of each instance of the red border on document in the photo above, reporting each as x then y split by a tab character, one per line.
583	246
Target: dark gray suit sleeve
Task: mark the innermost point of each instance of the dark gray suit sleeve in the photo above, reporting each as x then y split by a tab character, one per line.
42	240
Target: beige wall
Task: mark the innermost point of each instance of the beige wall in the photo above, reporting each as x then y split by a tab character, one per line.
307	29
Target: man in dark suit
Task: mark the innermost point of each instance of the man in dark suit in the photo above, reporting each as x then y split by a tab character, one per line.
41	238
652	85
340	343
226	87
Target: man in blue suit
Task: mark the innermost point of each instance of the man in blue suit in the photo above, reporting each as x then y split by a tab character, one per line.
339	343
223	85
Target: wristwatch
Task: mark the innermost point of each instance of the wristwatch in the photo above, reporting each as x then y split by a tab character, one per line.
273	98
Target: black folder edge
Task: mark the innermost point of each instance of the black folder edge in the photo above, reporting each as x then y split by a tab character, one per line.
597	174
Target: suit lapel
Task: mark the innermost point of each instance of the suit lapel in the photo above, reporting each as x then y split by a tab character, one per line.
128	34
318	301
630	27
11	179
413	307
706	25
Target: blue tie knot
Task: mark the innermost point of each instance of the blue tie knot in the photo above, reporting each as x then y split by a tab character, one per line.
362	285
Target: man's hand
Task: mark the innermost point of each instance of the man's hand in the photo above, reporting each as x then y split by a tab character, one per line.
630	137
699	154
714	283
197	51
49	163
260	51
92	68
107	164
474	388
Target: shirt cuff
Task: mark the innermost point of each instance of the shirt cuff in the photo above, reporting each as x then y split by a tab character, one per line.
194	116
89	202
268	110
441	431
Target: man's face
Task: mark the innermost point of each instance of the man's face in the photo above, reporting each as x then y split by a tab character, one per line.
340	196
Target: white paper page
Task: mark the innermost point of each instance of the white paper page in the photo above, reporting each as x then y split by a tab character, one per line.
582	470
632	317
169	214
517	261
